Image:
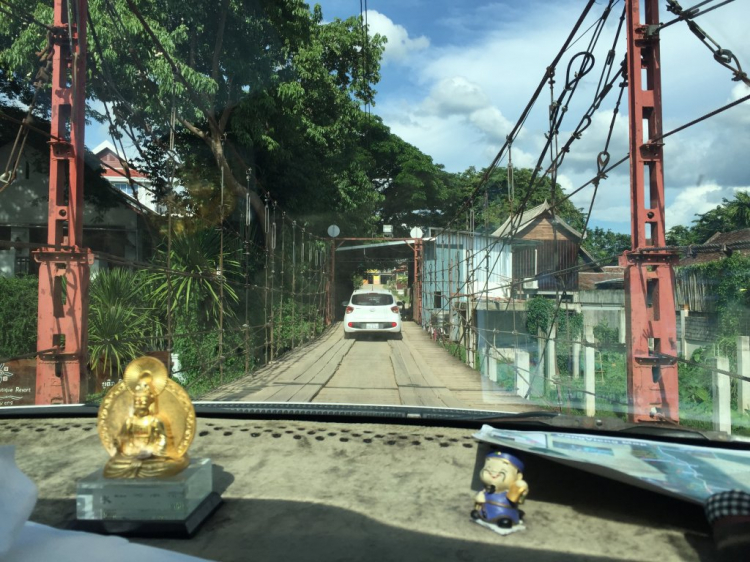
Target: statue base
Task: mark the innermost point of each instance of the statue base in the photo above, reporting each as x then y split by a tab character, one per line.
174	507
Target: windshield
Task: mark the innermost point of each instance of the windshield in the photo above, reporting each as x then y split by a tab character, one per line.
372	299
546	204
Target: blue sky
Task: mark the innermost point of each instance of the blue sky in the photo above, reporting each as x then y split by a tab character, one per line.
456	76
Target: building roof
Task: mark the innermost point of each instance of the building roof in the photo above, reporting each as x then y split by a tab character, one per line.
528	217
114	168
722	239
610	277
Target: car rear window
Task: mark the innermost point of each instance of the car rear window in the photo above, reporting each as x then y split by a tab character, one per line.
372	299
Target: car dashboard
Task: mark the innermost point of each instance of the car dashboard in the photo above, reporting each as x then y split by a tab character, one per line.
321	490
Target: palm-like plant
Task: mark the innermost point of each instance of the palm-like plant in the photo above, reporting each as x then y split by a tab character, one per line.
739	210
121	319
197	255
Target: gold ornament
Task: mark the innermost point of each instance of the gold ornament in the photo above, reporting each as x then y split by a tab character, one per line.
146	423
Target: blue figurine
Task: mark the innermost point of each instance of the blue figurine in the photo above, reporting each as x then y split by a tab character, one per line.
504	490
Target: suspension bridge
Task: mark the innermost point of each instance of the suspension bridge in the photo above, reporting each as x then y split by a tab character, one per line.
287	280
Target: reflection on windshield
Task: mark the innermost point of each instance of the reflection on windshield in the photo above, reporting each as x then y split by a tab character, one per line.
372	299
241	178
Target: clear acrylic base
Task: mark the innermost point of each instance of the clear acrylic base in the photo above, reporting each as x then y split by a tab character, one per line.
134	499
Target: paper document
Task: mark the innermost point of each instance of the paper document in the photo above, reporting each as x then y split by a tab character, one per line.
686	471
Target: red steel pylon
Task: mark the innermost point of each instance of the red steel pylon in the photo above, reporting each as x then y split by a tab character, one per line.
649	276
64	266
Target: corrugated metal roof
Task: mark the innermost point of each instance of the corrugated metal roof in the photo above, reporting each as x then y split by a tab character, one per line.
528	216
742	235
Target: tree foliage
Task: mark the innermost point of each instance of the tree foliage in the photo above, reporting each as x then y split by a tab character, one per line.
18	315
729	215
265	86
604	244
503	196
123	321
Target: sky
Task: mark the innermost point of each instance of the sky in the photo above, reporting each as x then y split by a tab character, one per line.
457	75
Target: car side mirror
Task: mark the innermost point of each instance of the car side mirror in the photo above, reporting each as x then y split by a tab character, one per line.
344	303
400	303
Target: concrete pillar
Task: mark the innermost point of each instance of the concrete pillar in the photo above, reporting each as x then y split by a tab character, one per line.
623	327
471	340
576	359
743	369
550	356
523	374
589	373
722	419
492	364
537	377
683	338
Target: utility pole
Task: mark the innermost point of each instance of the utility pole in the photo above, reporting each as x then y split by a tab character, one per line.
651	324
64	266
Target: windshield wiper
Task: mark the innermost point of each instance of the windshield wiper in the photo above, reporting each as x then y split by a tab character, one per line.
538	416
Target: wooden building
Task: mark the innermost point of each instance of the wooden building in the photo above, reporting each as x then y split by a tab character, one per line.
546	249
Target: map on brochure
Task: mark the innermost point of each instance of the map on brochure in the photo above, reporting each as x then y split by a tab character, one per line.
688	472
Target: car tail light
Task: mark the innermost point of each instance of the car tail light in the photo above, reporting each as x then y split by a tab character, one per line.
351	324
394	324
394	309
349	309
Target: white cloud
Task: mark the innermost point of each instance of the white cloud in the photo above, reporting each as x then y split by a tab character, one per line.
741	112
695	200
492	123
458	96
455	96
399	45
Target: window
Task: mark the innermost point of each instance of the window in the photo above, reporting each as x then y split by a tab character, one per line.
372	299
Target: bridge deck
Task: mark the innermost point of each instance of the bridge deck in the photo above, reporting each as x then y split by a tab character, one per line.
413	371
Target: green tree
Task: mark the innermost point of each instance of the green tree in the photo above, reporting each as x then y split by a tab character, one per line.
240	75
680	235
413	188
502	198
603	243
731	214
738	210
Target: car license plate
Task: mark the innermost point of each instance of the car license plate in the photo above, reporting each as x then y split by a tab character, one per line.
372	326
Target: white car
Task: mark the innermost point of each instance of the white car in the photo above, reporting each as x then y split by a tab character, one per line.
372	311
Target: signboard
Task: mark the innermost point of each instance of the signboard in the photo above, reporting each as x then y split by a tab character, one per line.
18	382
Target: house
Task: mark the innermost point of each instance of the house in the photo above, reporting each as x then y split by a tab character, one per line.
462	266
130	181
114	222
464	274
545	248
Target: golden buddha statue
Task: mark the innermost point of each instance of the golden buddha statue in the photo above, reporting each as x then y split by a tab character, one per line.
146	423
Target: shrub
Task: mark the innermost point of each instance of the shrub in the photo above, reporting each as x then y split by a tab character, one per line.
18	315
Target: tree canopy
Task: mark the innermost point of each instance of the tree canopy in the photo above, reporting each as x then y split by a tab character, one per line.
263	85
729	215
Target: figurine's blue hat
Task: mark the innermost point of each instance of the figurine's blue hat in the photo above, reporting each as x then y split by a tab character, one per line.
515	461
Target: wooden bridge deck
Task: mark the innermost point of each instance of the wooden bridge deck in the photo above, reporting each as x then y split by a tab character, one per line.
413	371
